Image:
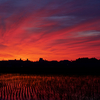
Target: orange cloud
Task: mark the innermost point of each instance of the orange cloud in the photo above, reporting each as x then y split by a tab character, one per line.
48	31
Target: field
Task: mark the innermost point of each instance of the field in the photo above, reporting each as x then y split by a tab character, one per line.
35	87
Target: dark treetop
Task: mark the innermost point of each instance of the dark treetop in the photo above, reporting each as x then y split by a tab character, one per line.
81	66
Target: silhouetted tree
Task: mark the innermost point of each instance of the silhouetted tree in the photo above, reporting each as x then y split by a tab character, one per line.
81	65
27	60
41	60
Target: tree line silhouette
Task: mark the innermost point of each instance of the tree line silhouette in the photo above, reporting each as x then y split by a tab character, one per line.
81	66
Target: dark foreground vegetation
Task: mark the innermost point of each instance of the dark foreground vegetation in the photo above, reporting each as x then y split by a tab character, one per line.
81	66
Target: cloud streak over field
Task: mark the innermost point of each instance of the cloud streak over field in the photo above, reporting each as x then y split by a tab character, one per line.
54	30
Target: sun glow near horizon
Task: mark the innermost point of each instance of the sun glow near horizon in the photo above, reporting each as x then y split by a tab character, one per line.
53	30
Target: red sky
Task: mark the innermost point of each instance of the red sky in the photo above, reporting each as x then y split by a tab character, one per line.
53	30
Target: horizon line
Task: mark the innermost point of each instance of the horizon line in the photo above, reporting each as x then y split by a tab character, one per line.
46	59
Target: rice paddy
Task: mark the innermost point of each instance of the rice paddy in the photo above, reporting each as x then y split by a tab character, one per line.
35	87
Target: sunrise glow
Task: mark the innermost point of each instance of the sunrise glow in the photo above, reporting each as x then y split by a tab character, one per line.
53	30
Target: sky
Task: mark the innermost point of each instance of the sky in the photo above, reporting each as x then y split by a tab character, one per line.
49	29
